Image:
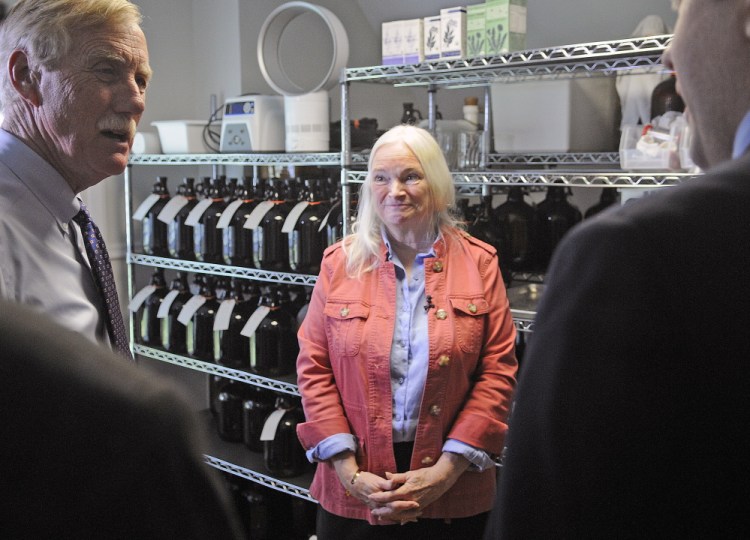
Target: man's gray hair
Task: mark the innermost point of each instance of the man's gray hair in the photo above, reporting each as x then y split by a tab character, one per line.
45	29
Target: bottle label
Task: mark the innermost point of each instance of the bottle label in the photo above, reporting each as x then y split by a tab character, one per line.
166	304
198	236
189	309
172	232
256	216
140	297
148	234
254	321
328	214
268	433
224	315
197	212
145	206
294	240
293	216
228	244
170	210
228	214
258	247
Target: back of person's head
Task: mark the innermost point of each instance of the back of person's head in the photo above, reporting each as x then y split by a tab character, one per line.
362	248
45	30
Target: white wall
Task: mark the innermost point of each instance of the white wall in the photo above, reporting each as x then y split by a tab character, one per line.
203	47
550	22
208	47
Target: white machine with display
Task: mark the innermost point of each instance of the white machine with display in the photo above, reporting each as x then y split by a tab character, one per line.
253	123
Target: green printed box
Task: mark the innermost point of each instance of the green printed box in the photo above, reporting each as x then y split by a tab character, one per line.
475	30
505	26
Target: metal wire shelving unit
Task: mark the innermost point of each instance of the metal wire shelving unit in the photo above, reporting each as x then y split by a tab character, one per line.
577	60
535	171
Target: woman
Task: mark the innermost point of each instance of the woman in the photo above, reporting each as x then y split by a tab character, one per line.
407	362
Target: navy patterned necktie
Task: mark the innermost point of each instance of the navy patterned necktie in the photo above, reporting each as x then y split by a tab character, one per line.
102	270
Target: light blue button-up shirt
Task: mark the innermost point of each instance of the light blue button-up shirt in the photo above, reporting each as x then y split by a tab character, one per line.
410	354
410	358
742	137
43	261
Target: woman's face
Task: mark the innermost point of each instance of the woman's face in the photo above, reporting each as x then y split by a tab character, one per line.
399	188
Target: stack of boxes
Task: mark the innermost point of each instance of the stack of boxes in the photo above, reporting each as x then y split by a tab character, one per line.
491	28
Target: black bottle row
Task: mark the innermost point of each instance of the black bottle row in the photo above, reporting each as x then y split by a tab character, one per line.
274	224
285	225
237	324
231	322
268	514
263	420
526	235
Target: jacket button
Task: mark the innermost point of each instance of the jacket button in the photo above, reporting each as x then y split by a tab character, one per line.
444	360
441	314
344	312
435	410
426	460
437	266
472	308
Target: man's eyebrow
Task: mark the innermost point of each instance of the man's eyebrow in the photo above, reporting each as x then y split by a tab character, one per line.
99	55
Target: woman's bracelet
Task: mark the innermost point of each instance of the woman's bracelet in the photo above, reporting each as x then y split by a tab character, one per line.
356	475
354	479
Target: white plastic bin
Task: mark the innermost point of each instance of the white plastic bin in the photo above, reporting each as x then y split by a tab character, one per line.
181	136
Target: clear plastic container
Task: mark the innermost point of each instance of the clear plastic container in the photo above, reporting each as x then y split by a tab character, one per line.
652	151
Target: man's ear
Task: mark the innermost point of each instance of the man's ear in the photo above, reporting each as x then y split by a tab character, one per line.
23	78
745	18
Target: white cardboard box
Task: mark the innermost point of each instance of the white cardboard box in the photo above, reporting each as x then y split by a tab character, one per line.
412	44
391	38
568	115
453	32
431	35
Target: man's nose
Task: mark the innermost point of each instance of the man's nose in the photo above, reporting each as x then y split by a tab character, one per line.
132	98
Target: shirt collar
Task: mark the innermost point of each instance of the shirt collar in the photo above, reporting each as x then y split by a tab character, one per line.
39	177
742	137
390	254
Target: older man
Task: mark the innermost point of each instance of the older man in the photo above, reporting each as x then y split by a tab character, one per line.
631	413
73	81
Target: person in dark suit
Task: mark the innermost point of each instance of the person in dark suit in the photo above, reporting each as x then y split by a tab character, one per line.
631	411
94	448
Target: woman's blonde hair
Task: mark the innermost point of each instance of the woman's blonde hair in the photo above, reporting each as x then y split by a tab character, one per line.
45	29
362	246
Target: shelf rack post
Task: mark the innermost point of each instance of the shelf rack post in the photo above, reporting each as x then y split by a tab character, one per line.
431	109
129	245
346	150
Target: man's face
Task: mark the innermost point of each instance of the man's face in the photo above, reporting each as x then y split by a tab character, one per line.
706	55
91	104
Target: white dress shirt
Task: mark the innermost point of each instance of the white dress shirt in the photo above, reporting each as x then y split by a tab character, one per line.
43	261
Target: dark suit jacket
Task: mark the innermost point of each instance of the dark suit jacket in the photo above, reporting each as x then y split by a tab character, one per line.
631	413
92	448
